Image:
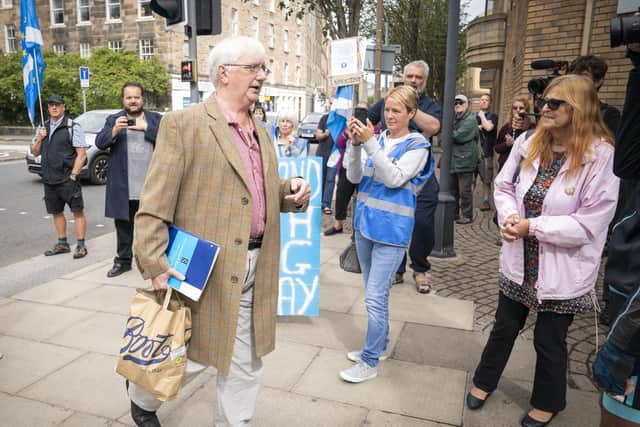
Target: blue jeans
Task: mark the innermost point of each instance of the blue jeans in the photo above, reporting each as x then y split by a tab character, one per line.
329	183
378	263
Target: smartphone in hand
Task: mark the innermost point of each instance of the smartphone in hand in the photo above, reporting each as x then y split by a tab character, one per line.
131	122
361	114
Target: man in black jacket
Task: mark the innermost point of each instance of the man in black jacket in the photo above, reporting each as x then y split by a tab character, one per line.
130	134
60	143
619	359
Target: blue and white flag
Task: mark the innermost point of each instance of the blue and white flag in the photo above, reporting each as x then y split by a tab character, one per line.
32	60
337	120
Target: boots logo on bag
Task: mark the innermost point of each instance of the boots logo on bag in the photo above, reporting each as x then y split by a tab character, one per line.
141	349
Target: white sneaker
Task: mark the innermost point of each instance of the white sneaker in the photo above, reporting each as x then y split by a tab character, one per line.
355	356
358	373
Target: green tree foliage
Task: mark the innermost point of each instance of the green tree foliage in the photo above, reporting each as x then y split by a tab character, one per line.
420	28
109	71
342	18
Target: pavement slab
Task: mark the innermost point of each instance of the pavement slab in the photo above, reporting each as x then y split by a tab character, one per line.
80	419
284	367
426	392
37	321
386	419
99	333
17	412
131	279
337	276
90	385
337	297
26	362
56	291
333	330
105	298
433	346
510	401
406	305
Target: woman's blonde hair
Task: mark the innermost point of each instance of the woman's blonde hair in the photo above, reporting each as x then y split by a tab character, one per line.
586	122
406	95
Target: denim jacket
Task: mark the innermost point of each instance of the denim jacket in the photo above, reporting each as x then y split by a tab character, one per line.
572	227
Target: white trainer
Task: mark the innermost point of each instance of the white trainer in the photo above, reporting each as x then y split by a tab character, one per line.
358	373
355	356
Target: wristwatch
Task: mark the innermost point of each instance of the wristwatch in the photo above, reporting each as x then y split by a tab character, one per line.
73	176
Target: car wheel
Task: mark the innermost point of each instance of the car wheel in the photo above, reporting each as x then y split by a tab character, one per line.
98	169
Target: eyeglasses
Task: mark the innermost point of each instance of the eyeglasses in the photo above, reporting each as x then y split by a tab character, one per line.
518	108
456	102
254	68
553	104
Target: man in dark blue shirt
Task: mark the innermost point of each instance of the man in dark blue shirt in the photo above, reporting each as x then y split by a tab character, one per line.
427	122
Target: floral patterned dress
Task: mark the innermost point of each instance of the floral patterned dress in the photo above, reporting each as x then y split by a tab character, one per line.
526	293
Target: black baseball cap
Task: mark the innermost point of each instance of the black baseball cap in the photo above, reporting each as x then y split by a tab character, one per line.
55	99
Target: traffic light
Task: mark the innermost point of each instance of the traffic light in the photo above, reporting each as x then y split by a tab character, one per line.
173	11
187	71
208	17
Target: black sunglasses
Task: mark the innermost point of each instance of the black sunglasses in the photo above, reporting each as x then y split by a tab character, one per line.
552	103
456	102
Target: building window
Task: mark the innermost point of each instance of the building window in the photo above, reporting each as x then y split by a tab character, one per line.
10	38
7	4
298	45
255	27
113	10
144	9
146	49
272	42
272	5
272	76
85	50
57	12
285	80
83	12
115	45
286	40
58	49
234	22
489	6
297	75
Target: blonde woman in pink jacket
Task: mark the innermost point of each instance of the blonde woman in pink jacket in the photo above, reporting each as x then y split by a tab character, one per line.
555	197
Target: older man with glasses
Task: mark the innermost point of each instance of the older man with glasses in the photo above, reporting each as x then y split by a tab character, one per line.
215	173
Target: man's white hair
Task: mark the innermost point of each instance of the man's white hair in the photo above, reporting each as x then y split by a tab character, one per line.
230	50
419	63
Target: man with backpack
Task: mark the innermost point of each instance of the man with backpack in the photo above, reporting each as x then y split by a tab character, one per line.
60	143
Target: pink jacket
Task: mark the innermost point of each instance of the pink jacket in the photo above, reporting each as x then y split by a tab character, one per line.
572	228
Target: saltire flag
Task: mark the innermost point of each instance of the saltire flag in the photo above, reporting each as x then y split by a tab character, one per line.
32	60
340	111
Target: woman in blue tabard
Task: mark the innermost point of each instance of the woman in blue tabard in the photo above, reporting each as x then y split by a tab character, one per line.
284	139
398	164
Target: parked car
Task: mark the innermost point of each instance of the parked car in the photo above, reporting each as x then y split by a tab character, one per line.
308	126
95	169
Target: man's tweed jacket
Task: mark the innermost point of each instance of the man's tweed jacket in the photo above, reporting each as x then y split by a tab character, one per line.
198	181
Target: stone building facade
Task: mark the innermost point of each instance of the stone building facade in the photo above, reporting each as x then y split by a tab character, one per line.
514	33
296	49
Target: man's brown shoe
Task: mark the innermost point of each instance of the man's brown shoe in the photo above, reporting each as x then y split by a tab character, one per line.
58	248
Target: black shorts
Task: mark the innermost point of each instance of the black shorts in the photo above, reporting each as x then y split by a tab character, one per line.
55	197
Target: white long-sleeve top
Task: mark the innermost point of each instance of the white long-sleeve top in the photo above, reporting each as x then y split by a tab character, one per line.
393	173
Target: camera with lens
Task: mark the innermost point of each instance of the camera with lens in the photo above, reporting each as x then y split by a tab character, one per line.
131	122
537	85
625	27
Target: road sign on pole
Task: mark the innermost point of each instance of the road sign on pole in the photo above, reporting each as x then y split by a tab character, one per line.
84	77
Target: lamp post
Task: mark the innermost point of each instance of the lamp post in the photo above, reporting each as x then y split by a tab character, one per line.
443	247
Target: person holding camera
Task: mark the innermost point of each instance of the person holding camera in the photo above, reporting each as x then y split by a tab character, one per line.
130	135
555	197
398	165
427	122
617	365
